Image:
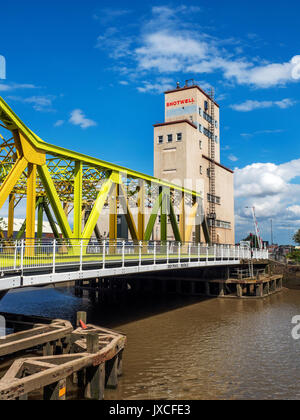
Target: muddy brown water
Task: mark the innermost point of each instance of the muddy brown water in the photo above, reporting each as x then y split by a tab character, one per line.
186	348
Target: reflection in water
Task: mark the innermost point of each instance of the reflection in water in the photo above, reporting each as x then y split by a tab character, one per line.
182	348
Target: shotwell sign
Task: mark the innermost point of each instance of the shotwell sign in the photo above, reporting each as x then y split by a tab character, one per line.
182	102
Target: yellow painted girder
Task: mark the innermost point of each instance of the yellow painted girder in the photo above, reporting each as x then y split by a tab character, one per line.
13	122
31	201
11	180
128	215
97	208
190	223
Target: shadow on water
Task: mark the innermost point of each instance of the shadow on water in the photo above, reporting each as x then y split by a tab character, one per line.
110	311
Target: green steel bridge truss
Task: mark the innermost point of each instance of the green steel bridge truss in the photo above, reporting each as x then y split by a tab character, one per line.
64	184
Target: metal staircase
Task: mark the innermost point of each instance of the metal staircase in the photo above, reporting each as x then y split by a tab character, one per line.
212	170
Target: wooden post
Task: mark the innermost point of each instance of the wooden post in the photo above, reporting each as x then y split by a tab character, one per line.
239	291
81	316
92	343
95	383
259	290
48	349
111	373
266	288
221	290
56	391
120	363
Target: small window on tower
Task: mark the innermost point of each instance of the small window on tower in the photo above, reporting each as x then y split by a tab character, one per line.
160	139
208	172
200	169
200	144
200	128
179	136
206	105
170	138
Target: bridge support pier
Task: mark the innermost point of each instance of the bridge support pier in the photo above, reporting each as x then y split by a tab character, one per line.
266	288
239	291
178	287
207	288
259	290
221	289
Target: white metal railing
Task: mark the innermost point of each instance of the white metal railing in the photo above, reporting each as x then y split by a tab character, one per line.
78	254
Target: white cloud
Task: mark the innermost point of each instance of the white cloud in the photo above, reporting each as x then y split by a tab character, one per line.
107	15
39	103
274	192
7	87
260	132
233	158
167	42
77	117
253	105
123	83
159	86
59	123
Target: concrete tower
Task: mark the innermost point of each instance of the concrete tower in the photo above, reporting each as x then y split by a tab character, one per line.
187	152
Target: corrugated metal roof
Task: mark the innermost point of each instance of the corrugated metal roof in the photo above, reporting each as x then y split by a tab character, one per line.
19	222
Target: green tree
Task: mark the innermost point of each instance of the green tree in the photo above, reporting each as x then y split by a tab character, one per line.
2	224
296	237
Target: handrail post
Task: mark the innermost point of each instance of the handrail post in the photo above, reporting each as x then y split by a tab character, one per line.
123	254
154	254
140	252
16	254
22	255
199	252
179	253
215	252
104	254
54	256
189	252
222	252
168	252
207	253
81	254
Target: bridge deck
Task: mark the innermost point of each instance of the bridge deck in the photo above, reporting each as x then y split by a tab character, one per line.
24	265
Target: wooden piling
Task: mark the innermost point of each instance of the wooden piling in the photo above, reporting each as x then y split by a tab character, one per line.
95	382
239	291
56	391
111	372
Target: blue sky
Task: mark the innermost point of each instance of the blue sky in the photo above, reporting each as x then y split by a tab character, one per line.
90	77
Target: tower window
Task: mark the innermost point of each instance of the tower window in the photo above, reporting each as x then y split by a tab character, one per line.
200	128
200	144
206	105
200	169
160	139
170	138
179	136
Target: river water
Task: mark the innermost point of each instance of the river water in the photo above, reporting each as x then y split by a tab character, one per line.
186	348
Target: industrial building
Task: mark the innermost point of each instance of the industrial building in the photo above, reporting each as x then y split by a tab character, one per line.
187	152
